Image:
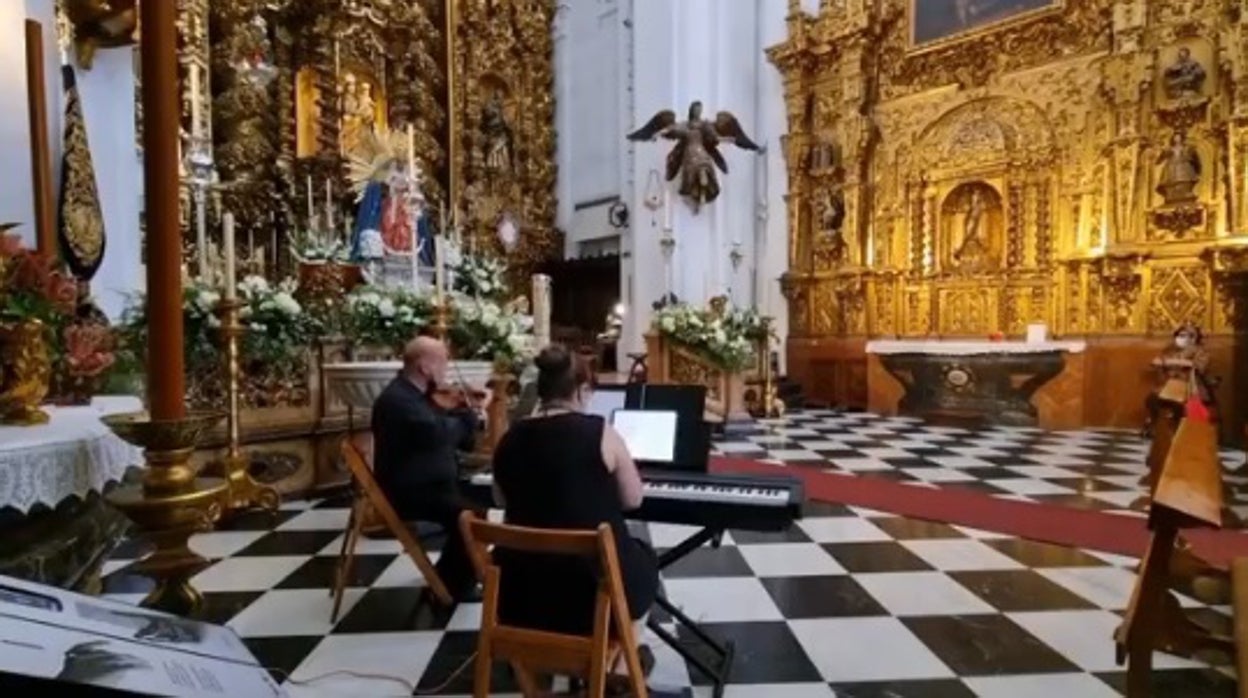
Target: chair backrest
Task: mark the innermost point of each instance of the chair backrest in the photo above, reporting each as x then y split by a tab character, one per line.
557	653
597	545
368	487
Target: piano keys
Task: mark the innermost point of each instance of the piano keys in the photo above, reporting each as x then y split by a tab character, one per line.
712	501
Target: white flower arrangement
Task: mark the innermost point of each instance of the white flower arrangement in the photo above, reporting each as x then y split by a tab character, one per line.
479	276
481	329
278	329
727	338
386	317
312	247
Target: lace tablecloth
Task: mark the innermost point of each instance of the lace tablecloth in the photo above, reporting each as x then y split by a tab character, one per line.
72	455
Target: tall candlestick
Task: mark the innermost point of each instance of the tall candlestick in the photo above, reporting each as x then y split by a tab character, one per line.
329	205
541	309
227	252
166	374
194	90
411	153
667	209
439	272
311	206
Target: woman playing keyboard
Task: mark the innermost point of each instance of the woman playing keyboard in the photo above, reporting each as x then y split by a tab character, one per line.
564	469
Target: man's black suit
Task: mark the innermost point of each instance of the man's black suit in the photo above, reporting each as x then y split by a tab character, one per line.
415	461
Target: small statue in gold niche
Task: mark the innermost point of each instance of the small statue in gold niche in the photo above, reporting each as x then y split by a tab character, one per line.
972	253
498	136
696	154
1180	172
1181	373
1184	77
359	111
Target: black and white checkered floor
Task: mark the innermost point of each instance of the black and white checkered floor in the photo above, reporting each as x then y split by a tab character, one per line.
1096	470
846	603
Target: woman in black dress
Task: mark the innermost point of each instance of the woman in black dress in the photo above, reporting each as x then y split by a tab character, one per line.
564	469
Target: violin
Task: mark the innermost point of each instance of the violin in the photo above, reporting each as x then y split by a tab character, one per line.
458	397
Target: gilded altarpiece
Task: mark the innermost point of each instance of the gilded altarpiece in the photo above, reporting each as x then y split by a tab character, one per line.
294	83
284	87
1082	165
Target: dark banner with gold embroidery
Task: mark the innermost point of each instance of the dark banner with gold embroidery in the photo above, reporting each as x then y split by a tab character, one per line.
81	223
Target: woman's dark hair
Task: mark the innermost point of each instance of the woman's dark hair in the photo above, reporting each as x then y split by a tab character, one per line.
559	373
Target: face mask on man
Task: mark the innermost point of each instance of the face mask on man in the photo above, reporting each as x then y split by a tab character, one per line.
1183	341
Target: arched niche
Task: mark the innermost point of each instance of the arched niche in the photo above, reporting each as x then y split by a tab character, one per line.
1003	148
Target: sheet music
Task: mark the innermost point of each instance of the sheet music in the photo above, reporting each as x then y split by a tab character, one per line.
605	402
649	435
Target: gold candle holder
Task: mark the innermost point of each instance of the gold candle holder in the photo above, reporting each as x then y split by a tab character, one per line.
171	504
771	404
242	490
441	318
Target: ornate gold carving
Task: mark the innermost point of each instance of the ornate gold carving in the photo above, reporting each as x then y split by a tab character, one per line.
1179	295
1121	281
687	368
1081	131
1177	222
505	57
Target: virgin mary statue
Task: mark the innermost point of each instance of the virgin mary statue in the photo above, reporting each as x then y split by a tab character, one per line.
386	192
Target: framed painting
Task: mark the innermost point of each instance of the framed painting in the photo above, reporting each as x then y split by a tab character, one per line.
937	22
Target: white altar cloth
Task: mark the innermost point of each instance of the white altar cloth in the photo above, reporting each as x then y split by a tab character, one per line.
955	347
72	455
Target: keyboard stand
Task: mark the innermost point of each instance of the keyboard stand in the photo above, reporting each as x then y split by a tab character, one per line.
719	669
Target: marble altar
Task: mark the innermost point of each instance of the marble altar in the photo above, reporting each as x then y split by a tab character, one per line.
1011	383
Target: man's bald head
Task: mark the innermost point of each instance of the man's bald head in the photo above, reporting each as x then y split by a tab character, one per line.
425	360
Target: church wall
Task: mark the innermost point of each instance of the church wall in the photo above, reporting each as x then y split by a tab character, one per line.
1069	165
16	191
590	77
107	92
675	53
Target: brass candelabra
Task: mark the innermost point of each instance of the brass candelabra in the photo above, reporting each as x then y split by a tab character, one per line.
171	505
242	490
441	318
771	405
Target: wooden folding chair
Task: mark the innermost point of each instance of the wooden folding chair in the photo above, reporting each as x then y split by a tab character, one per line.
368	496
533	652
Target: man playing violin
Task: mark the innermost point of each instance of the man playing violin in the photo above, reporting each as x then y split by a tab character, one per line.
416	439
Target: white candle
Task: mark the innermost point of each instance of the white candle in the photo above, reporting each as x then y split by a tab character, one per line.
311	206
228	254
411	153
667	208
438	271
195	106
329	205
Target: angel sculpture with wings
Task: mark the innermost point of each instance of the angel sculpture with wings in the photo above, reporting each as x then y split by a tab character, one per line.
696	154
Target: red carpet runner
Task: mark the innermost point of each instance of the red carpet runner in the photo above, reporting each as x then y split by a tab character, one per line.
1110	533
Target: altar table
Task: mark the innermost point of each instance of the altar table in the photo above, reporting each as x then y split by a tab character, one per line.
1010	383
72	455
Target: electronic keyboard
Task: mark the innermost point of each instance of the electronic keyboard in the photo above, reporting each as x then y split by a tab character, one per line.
701	499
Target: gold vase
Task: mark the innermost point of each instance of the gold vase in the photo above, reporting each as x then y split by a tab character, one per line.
25	371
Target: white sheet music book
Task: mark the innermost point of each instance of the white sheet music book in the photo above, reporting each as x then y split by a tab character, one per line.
56	634
604	403
649	435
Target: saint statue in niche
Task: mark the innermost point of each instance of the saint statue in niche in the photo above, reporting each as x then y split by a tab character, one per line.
359	111
498	136
972	252
1184	77
1180	171
972	223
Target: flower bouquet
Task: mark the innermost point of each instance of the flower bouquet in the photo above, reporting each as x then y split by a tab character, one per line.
35	301
726	338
